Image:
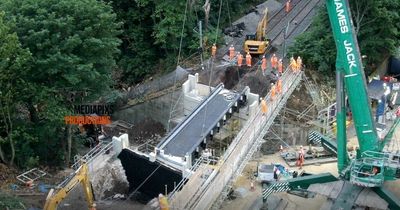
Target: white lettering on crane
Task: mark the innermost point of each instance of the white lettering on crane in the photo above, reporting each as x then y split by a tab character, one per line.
351	58
341	18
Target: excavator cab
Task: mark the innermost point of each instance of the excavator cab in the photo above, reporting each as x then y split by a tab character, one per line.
256	44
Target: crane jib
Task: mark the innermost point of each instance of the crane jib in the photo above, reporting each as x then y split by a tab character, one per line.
344	28
351	57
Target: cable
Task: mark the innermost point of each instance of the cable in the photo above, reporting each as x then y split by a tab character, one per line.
211	69
219	16
177	64
229	13
131	194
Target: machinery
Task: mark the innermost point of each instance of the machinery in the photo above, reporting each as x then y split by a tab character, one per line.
371	167
257	43
81	175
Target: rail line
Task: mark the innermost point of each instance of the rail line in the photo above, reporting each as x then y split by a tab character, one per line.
300	13
300	16
274	20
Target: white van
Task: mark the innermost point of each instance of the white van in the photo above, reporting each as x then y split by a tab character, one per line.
265	172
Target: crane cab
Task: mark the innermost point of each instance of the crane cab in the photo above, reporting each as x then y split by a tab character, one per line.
367	172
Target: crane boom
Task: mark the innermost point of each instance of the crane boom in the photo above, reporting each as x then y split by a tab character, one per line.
349	59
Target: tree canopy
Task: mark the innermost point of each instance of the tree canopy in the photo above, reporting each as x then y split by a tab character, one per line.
317	48
72	45
152	31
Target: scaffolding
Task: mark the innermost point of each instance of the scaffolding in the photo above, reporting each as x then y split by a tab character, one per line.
210	192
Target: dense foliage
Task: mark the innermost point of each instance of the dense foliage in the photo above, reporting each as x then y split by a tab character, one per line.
53	48
377	24
152	31
72	45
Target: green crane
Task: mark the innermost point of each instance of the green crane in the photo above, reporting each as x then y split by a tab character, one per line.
371	167
350	74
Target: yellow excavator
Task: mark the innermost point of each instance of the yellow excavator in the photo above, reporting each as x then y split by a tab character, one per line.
81	175
256	44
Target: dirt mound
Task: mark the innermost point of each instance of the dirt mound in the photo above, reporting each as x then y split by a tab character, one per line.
110	180
139	133
145	130
232	76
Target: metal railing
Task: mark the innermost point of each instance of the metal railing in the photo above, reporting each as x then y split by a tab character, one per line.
361	172
314	92
232	161
92	154
259	134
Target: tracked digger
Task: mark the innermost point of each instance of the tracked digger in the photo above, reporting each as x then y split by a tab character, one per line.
257	44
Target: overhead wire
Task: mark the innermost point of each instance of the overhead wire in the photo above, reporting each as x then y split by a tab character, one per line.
177	64
212	67
141	184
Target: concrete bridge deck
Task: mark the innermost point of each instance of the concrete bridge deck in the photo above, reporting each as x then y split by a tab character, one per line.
210	192
188	135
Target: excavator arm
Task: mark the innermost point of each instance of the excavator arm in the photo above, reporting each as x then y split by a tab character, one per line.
81	176
262	26
257	43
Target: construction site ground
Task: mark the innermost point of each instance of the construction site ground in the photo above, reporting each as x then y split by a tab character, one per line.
253	199
232	77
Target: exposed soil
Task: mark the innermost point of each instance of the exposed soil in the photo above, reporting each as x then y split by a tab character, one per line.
146	130
142	132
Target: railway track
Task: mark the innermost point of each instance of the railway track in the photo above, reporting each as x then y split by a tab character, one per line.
299	13
274	20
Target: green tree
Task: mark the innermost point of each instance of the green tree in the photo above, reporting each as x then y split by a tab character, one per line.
318	50
73	45
152	31
13	71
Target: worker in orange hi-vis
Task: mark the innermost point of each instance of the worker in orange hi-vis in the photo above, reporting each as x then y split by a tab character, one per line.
279	86
163	202
273	92
231	52
273	59
93	207
299	63
293	64
213	50
280	66
287	6
263	64
248	59
239	59
264	107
